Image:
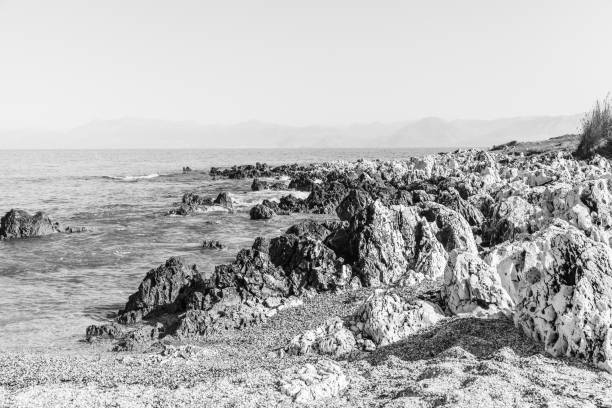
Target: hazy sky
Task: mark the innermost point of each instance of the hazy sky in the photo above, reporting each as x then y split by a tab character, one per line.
64	63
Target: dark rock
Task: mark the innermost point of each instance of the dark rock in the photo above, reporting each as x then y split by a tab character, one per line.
353	203
212	244
309	228
454	231
224	200
20	224
261	212
302	182
452	199
158	291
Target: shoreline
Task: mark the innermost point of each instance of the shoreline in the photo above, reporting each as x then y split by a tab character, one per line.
409	234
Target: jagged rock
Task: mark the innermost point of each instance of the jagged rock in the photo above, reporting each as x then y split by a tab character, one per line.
20	224
312	229
259	185
511	217
452	199
389	316
159	289
353	203
332	338
562	285
261	212
192	203
212	244
383	242
432	256
106	331
472	286
224	200
314	383
302	182
308	263
454	231
325	199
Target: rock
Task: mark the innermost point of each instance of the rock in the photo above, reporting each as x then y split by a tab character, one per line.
454	231
472	286
259	185
389	316
308	263
159	289
292	204
562	285
224	200
383	242
106	331
432	256
452	199
302	182
353	203
311	229
261	212
511	217
314	383
20	224
212	244
332	338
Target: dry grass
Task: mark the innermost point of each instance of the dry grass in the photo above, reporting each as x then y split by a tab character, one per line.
596	131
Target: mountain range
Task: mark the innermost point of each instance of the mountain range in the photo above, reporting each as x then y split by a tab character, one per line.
129	133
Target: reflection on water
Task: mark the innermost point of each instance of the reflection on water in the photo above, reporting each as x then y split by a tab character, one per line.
51	288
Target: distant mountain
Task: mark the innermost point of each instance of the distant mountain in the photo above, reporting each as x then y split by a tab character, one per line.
129	133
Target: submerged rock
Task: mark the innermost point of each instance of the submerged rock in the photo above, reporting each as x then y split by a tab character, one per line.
212	244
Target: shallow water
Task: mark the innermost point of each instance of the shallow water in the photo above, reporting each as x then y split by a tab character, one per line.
51	288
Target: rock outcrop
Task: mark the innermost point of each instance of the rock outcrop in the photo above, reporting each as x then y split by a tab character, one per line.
21	224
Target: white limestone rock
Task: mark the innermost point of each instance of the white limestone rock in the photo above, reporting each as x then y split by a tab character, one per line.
314	383
472	286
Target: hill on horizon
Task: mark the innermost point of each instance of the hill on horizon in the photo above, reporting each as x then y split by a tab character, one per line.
129	133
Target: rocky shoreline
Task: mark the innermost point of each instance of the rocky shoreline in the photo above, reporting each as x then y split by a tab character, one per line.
459	279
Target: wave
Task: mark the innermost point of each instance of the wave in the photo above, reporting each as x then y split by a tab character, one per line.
132	178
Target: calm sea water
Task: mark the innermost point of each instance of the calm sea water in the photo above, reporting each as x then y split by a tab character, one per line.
51	288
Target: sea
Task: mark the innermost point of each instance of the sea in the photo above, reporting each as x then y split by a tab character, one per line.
52	288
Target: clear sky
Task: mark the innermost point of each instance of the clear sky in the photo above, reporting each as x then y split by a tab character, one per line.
64	63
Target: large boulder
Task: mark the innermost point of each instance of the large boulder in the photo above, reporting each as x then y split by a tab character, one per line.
308	263
20	224
159	290
383	243
261	212
390	316
472	286
562	285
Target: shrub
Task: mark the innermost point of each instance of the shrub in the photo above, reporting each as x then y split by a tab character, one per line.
596	134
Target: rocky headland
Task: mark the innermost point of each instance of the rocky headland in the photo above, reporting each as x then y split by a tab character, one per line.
472	278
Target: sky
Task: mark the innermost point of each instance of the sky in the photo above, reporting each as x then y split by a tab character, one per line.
64	63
